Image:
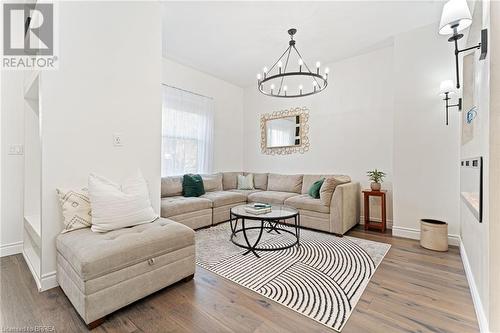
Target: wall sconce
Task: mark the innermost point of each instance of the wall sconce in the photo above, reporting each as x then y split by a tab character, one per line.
445	90
456	17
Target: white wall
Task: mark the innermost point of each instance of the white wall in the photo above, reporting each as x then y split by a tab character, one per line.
426	152
474	234
108	81
494	171
351	123
228	103
12	166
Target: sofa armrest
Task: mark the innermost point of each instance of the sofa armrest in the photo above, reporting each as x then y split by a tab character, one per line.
344	208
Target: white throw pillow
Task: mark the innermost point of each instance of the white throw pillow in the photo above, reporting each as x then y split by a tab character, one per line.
245	182
75	207
116	207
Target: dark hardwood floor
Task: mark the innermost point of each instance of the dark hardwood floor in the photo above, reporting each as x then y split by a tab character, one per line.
413	290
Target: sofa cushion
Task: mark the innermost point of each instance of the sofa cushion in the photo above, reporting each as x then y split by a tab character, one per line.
271	197
171	186
260	181
192	185
245	182
230	180
93	254
223	198
119	206
212	182
246	193
315	187
173	206
304	201
308	180
284	183
328	187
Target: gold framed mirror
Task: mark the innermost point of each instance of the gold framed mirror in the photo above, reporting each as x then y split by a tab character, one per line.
285	132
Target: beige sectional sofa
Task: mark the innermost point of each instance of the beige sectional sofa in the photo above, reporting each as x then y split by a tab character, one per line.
337	215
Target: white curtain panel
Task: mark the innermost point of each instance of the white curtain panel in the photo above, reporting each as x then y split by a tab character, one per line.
187	132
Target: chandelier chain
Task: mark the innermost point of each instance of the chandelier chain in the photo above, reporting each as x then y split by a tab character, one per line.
284	69
274	65
305	64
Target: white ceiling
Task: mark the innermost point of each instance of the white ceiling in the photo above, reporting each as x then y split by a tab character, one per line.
234	40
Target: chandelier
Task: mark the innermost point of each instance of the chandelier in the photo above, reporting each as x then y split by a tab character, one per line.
279	81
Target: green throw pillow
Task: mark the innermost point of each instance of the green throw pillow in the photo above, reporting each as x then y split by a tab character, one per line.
192	186
314	189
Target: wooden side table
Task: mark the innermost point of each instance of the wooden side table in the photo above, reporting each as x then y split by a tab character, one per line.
371	224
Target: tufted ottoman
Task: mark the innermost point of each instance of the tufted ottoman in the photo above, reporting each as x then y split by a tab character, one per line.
102	272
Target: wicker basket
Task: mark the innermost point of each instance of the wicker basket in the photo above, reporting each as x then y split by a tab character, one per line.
434	235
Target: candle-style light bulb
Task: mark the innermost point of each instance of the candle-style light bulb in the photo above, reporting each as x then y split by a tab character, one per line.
272	88
315	84
259	76
327	70
285	88
300	89
280	65
318	64
301	62
265	70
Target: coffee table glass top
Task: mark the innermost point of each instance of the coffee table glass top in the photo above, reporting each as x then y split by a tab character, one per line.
277	212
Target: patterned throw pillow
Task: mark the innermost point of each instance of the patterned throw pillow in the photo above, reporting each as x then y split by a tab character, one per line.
76	210
245	182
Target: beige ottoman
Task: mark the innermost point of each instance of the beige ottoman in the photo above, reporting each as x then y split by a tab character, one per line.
102	272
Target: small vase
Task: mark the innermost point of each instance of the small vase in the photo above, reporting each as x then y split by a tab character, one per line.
375	186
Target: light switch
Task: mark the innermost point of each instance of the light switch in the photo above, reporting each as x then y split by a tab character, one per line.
117	140
16	150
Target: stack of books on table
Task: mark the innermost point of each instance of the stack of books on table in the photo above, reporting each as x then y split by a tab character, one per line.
258	208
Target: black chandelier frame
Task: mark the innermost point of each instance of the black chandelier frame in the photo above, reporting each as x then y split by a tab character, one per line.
321	80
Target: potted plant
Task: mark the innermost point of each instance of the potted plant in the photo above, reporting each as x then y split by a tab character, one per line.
376	177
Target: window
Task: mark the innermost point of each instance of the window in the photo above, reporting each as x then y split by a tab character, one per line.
187	133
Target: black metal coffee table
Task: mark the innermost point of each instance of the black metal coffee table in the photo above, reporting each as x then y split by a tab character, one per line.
270	222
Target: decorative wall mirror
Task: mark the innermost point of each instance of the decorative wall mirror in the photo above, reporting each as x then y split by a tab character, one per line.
285	132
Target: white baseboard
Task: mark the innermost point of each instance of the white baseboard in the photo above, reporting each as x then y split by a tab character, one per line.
375	219
478	306
34	273
10	249
48	281
415	234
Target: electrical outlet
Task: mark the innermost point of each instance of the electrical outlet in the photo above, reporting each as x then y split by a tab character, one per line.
16	150
117	140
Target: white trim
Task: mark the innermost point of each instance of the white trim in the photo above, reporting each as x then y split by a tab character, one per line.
375	219
478	306
32	270
49	281
10	249
415	234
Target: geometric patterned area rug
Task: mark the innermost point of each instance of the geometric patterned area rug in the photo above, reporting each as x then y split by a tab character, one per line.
322	279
